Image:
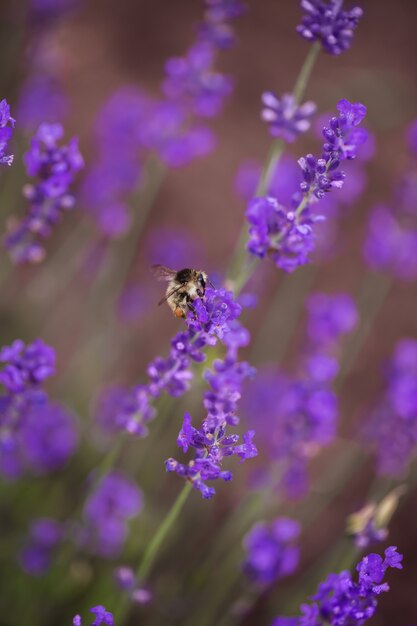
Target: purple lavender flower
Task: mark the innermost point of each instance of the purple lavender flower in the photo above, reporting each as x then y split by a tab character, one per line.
25	366
126	580
121	408
226	380
215	318
116	172
5	132
215	315
35	434
330	317
279	234
329	24
125	577
107	511
215	29
169	132
391	427
286	235
296	415
270	550
341	600
41	99
102	617
285	117
390	245
55	167
48	438
192	81
211	446
44	536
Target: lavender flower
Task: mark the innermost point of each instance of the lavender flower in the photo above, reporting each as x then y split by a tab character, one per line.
286	235
55	167
41	99
102	617
285	117
226	380
391	240
44	536
215	29
191	81
280	234
212	445
121	408
270	550
329	24
297	414
126	580
176	140
5	132
215	318
35	434
25	367
391	427
116	172
330	317
107	511
341	600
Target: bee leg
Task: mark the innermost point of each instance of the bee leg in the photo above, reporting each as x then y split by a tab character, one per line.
192	307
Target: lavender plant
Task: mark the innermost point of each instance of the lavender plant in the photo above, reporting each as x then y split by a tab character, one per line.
341	600
81	529
6	125
55	167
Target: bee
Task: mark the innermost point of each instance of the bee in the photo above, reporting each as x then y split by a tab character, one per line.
184	286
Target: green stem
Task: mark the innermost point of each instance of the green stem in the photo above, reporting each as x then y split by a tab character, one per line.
121	612
275	153
305	73
160	535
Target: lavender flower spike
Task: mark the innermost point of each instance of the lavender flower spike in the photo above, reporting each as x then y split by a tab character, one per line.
35	434
342	601
329	24
286	119
102	617
5	132
215	316
54	167
285	234
271	553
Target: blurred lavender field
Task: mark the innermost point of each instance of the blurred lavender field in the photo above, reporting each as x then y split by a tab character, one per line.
177	133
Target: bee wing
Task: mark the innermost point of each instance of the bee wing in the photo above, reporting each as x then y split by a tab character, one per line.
162	272
169	294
